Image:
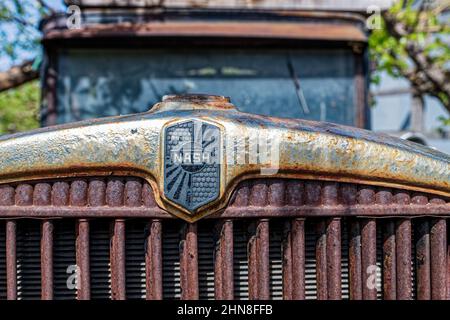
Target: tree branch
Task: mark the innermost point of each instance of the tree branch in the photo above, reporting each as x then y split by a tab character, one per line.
427	75
17	75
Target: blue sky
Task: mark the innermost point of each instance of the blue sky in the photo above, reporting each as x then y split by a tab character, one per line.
5	62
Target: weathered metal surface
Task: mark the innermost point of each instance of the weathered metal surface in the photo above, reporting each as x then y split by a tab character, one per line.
334	259
11	260
403	255
117	254
258	259
298	258
294	259
368	258
262	258
389	262
438	252
354	255
189	263
47	260
131	145
87	198
321	260
82	259
153	261
223	263
241	30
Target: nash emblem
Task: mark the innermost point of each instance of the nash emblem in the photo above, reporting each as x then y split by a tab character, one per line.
192	159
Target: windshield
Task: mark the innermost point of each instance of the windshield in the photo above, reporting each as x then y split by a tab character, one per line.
300	83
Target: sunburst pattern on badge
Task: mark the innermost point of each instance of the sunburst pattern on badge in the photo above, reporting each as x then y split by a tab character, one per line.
192	163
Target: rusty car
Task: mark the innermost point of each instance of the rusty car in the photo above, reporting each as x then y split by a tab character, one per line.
266	186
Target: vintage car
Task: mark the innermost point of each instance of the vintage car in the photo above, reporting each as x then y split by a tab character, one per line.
207	197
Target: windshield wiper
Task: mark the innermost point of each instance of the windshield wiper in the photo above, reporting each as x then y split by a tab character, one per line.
298	88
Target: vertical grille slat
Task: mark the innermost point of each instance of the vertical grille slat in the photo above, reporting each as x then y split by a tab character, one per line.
438	251
82	259
7	291
224	255
189	262
10	250
118	258
154	261
47	260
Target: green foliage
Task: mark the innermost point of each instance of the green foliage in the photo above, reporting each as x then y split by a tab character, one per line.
413	43
19	33
19	108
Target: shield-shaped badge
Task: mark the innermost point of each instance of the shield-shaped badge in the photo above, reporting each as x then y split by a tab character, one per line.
192	163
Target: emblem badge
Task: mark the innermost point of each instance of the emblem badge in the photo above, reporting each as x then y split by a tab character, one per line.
192	163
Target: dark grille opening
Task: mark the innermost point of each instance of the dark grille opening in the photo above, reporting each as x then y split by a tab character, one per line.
99	259
171	259
64	260
275	260
206	247
240	263
2	260
136	231
28	260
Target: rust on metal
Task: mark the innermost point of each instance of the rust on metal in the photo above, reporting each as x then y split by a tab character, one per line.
333	248
60	194
7	198
384	197
78	193
262	245
307	150
389	262
223	264
258	260
133	193
117	258
82	258
354	256
11	260
42	197
153	261
295	204
220	29
298	258
438	252
24	195
321	260
96	193
403	255
368	258
189	263
47	260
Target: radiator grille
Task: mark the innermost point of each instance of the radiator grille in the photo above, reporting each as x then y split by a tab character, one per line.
137	231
